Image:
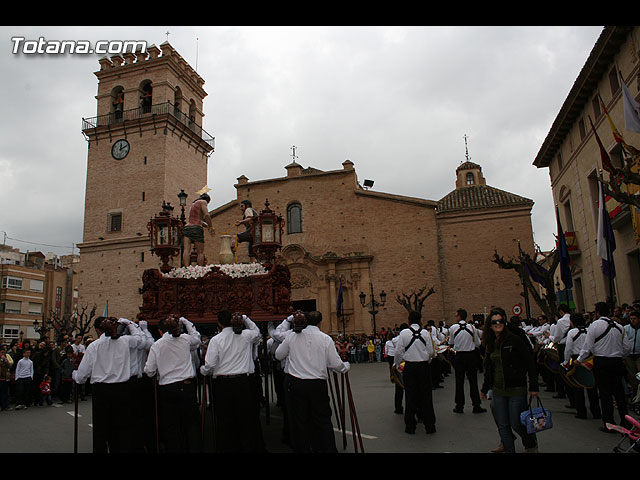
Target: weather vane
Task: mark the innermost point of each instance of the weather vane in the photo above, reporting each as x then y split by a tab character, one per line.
167	34
293	155
466	149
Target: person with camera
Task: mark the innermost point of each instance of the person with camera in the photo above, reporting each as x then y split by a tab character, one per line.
170	360
309	353
229	359
106	363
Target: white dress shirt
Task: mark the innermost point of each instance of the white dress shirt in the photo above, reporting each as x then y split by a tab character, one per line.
574	342
170	357
614	344
231	353
309	354
418	352
139	354
24	368
562	327
461	340
390	348
107	360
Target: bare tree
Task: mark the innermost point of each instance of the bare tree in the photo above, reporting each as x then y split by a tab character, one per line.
526	267
414	300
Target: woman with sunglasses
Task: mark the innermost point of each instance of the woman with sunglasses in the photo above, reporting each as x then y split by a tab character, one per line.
508	363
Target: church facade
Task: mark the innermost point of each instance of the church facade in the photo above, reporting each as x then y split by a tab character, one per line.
338	233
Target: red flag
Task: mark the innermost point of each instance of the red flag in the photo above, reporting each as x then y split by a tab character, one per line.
606	160
616	134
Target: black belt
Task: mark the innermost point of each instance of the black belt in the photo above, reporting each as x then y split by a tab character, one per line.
186	381
636	355
237	375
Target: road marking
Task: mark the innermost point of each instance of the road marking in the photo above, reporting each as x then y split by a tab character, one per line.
73	413
368	437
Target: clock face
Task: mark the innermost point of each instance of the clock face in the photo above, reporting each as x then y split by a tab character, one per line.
120	149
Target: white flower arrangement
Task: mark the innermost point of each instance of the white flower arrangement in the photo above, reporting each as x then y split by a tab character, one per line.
234	270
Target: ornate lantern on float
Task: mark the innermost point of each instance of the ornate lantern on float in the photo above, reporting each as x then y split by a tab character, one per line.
164	233
267	235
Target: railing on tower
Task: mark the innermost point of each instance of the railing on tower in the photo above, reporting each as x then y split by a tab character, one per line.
117	117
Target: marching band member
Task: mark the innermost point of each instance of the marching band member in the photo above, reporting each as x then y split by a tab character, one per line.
464	340
170	358
229	359
310	353
559	337
415	348
608	344
390	350
575	340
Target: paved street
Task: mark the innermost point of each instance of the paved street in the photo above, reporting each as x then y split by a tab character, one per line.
50	429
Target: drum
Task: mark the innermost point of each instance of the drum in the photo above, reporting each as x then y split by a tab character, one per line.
396	375
549	358
582	375
551	349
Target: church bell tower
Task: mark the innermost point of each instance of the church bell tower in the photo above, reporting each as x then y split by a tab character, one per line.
145	145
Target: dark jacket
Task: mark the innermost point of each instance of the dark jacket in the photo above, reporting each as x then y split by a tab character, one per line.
517	363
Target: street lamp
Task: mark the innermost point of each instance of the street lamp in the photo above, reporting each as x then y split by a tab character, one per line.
373	304
182	197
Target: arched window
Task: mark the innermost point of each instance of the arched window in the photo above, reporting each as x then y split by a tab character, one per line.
177	102
294	218
470	179
146	96
117	103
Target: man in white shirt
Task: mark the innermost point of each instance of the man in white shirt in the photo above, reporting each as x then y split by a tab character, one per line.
229	359
559	337
415	348
576	336
310	353
464	340
106	362
608	344
390	350
24	380
170	360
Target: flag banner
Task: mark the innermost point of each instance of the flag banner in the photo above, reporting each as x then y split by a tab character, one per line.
616	134
604	155
605	241
565	259
533	270
340	300
631	110
105	313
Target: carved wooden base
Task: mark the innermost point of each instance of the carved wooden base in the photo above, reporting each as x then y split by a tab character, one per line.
261	297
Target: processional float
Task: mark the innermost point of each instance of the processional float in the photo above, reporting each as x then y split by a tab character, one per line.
262	291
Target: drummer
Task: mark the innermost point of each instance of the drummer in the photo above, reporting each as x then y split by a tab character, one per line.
574	341
608	344
464	339
559	337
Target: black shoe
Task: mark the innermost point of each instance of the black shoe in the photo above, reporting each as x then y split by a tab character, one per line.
399	412
458	410
479	410
581	417
410	430
430	428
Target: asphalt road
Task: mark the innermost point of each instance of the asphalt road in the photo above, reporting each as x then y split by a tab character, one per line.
50	429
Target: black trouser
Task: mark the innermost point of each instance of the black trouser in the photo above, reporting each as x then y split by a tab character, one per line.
416	377
24	391
399	391
180	422
247	236
236	408
111	417
310	416
560	383
609	375
147	412
466	364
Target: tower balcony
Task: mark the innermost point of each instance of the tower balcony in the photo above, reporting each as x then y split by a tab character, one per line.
126	117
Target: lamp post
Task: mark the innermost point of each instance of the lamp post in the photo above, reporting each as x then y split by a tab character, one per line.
373	304
182	197
42	329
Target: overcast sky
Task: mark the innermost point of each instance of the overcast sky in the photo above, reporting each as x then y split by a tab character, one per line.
396	101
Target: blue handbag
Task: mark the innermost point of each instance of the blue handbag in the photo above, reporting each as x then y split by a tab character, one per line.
536	419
